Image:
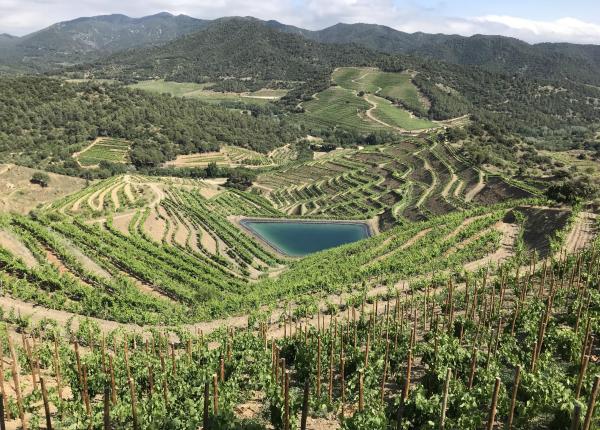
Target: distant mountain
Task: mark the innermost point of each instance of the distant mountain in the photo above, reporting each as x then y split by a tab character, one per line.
85	39
496	53
243	48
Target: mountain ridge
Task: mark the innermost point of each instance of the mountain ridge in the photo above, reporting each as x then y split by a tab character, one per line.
87	39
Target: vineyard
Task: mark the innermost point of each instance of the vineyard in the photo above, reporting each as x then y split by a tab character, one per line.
367	100
413	181
104	149
229	156
140	302
507	347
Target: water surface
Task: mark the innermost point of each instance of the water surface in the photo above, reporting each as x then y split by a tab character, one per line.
299	238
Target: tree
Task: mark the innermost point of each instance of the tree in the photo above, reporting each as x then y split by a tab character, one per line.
40	178
212	170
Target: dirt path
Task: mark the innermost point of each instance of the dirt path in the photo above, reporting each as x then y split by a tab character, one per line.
114	196
582	233
86	261
129	193
97	140
448	187
154	225
121	222
410	242
103	194
476	189
459	188
504	252
90	200
12	244
369	113
433	185
158	193
77	205
207	241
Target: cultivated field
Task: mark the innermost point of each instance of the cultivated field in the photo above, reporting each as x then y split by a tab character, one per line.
198	91
228	156
104	149
413	181
397	86
160	290
366	99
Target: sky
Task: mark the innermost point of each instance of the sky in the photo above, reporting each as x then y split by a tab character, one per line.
576	21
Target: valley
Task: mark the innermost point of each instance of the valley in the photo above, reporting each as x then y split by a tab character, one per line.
241	224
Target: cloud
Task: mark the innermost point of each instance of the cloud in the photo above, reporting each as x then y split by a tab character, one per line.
431	16
563	29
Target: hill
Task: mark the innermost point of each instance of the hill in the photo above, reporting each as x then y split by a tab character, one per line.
44	121
234	47
85	39
495	53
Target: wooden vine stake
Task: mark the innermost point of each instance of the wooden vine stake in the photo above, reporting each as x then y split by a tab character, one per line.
133	405
592	402
305	399
15	374
582	369
206	405
113	388
2	423
473	368
513	399
4	400
286	401
576	418
57	370
46	405
445	399
215	395
85	393
361	391
106	412
494	405
318	366
222	369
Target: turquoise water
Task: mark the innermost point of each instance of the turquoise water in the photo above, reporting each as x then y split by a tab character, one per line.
296	238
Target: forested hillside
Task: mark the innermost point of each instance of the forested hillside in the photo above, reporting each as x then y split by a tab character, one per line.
43	121
233	47
85	39
558	61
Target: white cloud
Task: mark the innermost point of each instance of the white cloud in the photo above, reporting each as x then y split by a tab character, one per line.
563	29
23	16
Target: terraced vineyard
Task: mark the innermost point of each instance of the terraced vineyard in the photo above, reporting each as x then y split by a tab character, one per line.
104	149
229	156
512	346
366	99
163	261
413	181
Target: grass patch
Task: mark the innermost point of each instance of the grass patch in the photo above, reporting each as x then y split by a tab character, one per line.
105	149
396	116
198	91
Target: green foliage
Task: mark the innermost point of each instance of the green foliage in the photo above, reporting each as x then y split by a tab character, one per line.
47	121
40	178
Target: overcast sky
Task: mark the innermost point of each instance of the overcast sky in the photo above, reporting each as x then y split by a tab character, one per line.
534	21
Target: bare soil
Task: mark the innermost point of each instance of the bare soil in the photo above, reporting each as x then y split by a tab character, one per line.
19	195
155	226
11	243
